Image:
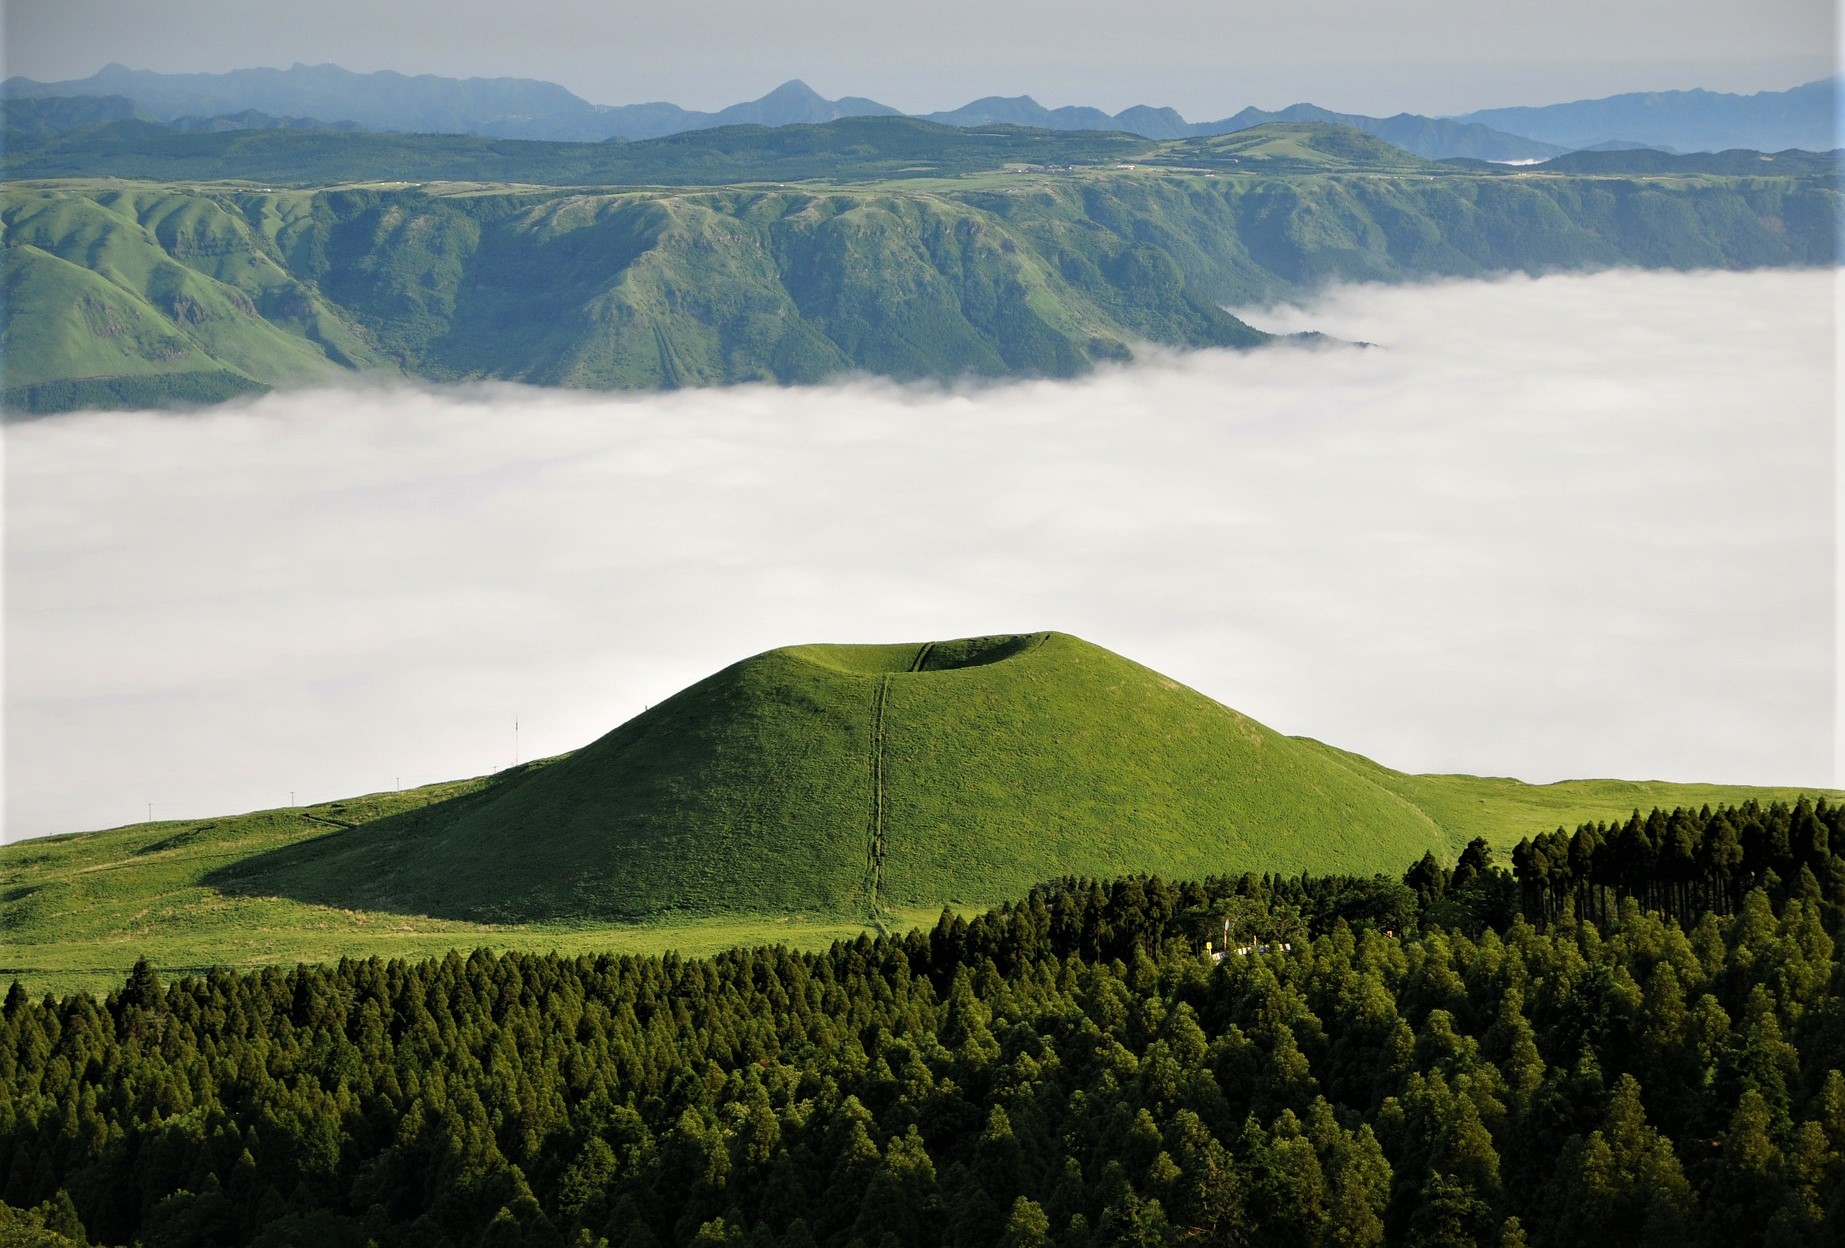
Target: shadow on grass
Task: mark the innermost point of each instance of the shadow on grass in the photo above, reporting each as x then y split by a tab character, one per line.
396	863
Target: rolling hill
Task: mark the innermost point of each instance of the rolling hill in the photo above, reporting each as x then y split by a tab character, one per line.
797	796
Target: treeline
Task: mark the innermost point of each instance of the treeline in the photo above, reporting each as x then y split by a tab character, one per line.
1687	862
159	390
1068	1069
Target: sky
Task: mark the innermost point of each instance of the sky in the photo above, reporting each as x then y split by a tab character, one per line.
1567	526
1207	58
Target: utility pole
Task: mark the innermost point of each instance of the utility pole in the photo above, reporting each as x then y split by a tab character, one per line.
515	738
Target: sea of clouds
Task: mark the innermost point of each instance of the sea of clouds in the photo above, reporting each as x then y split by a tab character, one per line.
1572	526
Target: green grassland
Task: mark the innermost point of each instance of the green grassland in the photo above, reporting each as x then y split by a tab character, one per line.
798	797
76	910
994	252
1504	811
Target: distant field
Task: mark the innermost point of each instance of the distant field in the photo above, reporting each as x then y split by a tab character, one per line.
368	876
1505	811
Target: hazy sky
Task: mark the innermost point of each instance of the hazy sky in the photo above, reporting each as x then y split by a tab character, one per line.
1578	526
1207	58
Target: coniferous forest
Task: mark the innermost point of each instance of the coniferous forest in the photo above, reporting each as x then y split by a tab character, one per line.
1636	1035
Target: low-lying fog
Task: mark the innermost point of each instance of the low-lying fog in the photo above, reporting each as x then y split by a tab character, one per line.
1578	526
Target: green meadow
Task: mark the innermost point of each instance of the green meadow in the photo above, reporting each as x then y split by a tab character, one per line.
76	910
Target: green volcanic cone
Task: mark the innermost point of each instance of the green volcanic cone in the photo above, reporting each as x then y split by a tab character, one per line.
843	779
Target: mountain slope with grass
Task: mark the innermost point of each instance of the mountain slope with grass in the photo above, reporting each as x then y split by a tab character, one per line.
978	254
797	797
840	779
140	293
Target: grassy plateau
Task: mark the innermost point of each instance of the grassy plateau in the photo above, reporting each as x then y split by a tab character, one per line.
798	797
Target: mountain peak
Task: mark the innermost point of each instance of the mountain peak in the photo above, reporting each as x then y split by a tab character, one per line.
794	89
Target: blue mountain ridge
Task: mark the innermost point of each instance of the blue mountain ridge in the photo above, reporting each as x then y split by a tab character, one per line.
1804	116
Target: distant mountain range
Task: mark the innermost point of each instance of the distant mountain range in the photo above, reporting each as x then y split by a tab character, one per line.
1688	121
1431	137
378	101
1804	117
31	120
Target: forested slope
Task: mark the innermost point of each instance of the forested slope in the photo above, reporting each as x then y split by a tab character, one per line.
1406	1063
130	293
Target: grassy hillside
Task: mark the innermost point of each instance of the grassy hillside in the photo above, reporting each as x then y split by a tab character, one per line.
838	780
1505	811
612	290
126	289
76	911
131	292
784	799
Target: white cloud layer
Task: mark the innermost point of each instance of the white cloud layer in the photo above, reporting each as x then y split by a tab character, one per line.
1576	526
